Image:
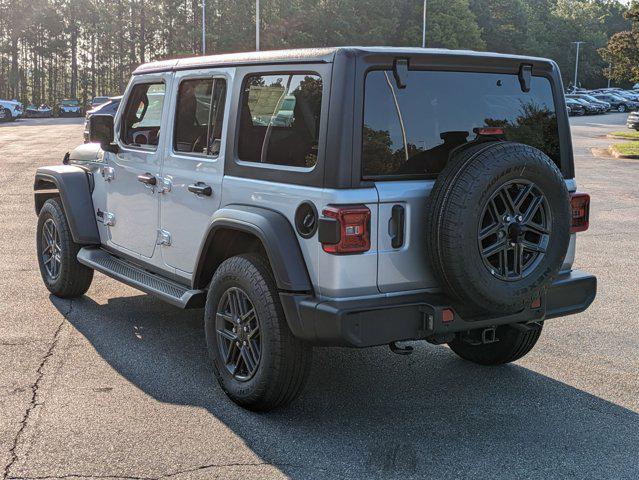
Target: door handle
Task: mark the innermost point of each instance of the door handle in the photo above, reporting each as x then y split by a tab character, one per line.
396	226
200	188
147	179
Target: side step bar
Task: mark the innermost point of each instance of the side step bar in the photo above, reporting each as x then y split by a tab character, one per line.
137	277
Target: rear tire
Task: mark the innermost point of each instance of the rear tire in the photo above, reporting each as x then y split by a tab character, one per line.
263	370
61	272
621	108
515	341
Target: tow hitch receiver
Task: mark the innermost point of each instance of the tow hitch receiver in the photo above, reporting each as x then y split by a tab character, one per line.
480	337
399	350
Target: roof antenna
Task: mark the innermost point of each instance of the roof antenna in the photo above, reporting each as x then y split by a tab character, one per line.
400	71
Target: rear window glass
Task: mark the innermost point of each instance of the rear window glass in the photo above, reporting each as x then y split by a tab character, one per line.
411	131
280	119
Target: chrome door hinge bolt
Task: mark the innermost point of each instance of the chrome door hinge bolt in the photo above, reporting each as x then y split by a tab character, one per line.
164	238
108	173
109	219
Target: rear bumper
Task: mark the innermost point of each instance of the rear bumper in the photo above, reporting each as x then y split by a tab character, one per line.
378	321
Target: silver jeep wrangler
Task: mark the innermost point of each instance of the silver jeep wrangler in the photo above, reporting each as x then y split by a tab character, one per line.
344	196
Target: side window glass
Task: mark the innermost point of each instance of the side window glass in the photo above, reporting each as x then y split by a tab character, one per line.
143	116
280	119
199	116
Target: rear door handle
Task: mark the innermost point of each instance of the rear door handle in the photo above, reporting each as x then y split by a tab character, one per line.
147	179
200	188
396	226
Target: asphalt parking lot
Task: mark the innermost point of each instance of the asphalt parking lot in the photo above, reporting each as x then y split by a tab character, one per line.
117	385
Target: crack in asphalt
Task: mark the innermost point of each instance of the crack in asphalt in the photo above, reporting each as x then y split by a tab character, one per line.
168	475
13	456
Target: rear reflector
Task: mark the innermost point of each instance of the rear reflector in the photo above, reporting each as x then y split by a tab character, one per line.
448	315
353	226
580	212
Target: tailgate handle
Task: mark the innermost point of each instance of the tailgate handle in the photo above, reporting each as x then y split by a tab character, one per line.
396	226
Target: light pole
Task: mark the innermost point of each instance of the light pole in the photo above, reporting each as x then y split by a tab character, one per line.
203	27
577	61
609	73
424	26
257	25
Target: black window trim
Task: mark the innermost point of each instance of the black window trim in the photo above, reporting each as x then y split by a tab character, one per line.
426	176
200	76
275	166
143	80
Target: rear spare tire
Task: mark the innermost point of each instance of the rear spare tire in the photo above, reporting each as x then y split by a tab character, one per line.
498	227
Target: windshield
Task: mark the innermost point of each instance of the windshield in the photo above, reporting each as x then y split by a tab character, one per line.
100	100
411	131
69	103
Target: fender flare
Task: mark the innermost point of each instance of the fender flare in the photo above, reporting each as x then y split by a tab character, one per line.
74	186
277	236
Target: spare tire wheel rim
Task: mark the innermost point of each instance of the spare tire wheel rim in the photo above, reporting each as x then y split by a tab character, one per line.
514	230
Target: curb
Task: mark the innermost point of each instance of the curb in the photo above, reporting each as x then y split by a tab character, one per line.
615	153
615	137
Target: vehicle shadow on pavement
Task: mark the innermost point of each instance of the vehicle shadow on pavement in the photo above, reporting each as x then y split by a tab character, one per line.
370	413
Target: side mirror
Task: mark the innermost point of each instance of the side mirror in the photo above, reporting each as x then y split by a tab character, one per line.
101	131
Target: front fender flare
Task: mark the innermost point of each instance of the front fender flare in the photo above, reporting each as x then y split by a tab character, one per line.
277	236
74	187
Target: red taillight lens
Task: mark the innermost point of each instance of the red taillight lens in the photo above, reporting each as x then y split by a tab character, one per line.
490	131
354	229
580	212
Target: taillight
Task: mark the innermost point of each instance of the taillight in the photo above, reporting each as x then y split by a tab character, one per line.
580	212
352	229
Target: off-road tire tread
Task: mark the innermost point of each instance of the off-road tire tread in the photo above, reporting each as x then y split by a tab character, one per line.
526	337
292	357
74	279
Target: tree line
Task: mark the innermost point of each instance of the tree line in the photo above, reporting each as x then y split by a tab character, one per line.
54	49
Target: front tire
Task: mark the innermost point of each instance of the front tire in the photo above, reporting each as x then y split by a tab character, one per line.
61	272
621	108
256	359
514	341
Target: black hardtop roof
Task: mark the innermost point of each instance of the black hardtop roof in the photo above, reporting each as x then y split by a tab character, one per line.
315	55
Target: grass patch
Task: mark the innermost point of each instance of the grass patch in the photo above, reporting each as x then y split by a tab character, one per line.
626	149
629	134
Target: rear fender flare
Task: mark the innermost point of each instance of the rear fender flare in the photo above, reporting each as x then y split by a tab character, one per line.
275	233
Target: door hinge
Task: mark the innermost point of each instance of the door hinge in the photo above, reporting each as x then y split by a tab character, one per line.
164	238
109	219
108	173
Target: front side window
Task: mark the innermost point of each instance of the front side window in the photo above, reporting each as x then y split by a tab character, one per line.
143	116
412	131
199	116
280	119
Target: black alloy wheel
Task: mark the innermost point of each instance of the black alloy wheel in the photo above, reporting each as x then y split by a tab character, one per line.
514	230
238	332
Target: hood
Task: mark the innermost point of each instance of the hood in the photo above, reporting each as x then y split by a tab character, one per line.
87	152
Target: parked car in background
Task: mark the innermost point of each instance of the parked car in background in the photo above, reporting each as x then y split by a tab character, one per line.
43	111
633	121
618	103
590	99
5	114
69	108
14	107
590	108
97	101
110	107
575	108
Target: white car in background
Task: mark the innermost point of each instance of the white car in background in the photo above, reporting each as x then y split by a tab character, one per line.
15	108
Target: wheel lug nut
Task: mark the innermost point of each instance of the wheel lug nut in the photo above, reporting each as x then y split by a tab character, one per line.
244	343
246	329
520	218
237	344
